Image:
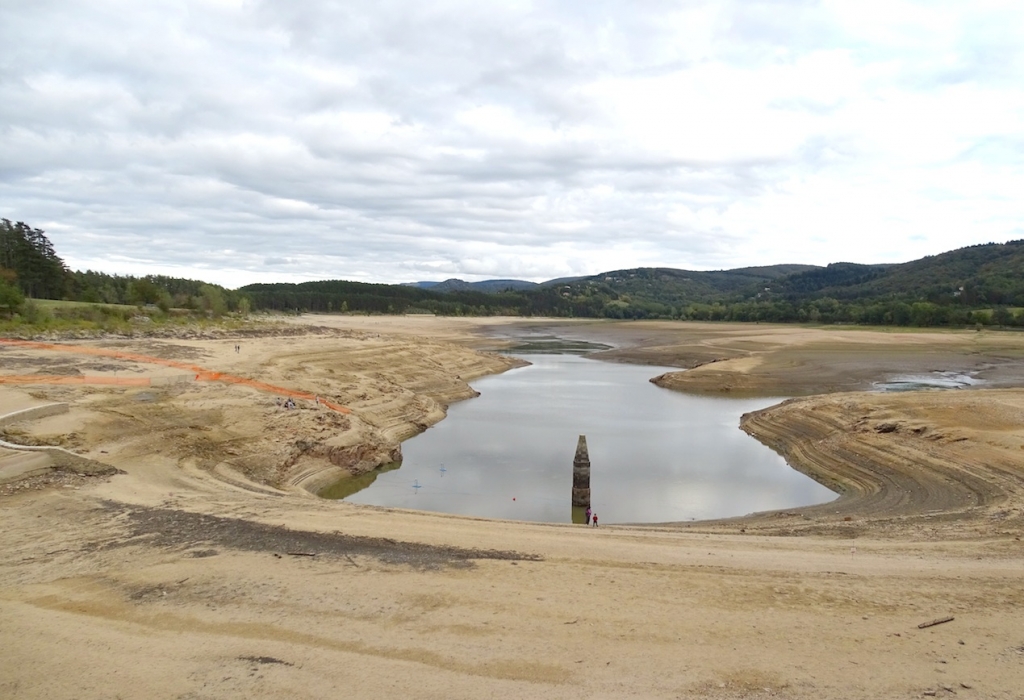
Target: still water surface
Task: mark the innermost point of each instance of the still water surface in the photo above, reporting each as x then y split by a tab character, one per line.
656	455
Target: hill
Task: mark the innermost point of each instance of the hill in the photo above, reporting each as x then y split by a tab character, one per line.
493	286
975	285
672	286
991	274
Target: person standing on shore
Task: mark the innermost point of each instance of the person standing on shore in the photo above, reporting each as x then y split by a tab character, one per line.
588	515
595	519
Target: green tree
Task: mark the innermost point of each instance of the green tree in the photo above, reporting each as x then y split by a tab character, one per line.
28	252
212	300
1002	316
11	298
145	291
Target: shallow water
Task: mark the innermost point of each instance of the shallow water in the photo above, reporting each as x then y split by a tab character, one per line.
932	380
656	455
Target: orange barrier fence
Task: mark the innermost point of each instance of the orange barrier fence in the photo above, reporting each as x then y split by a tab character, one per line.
201	374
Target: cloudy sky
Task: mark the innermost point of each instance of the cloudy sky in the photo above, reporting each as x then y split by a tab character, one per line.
238	141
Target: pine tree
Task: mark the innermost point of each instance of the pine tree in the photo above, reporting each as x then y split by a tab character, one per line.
38	271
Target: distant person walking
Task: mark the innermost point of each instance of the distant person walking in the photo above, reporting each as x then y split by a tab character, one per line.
588	515
595	519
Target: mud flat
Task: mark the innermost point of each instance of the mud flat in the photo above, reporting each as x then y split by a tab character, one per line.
208	570
928	464
202	404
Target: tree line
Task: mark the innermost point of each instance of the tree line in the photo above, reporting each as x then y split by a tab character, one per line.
980	285
596	300
31	269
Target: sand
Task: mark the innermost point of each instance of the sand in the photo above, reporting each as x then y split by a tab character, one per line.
208	570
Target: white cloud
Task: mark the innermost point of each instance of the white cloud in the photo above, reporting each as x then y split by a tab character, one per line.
240	141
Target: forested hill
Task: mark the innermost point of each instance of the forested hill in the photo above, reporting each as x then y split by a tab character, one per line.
457	285
637	293
985	275
982	284
671	286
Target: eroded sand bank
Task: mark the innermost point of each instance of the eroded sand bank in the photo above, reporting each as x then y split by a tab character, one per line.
188	576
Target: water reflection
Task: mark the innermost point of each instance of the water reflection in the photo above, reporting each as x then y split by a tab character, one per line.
352	485
656	455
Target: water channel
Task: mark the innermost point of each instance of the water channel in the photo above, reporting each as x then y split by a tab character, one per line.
656	455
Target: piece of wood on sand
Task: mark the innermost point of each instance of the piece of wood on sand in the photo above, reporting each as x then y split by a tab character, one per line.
937	621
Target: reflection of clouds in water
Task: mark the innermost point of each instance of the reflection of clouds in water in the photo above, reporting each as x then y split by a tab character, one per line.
656	455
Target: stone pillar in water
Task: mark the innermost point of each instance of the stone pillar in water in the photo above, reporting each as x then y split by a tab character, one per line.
581	475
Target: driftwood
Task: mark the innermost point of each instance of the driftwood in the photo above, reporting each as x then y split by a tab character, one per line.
301	554
935	622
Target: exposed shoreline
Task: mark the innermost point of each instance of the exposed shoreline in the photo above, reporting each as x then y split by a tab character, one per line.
816	435
208	570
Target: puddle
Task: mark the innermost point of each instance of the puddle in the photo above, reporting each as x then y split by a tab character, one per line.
932	380
551	345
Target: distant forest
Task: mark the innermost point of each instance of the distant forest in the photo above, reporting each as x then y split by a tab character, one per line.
979	285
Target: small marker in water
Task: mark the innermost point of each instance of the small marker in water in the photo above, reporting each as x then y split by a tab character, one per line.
416	484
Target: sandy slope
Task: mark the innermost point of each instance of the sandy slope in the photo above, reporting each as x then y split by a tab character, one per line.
175	580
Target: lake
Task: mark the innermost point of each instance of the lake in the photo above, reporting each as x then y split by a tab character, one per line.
656	455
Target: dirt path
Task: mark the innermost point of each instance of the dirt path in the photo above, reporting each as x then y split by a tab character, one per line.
206	570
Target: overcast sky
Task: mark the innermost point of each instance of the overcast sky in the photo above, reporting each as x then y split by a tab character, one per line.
244	141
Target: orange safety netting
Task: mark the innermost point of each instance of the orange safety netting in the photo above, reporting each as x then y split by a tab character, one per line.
201	373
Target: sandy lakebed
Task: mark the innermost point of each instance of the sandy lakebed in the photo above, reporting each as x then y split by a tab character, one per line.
176	550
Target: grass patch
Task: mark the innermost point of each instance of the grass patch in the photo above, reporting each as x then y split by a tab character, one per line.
57	305
47	317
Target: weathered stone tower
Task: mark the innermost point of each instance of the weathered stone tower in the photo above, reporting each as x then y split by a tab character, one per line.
581	475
